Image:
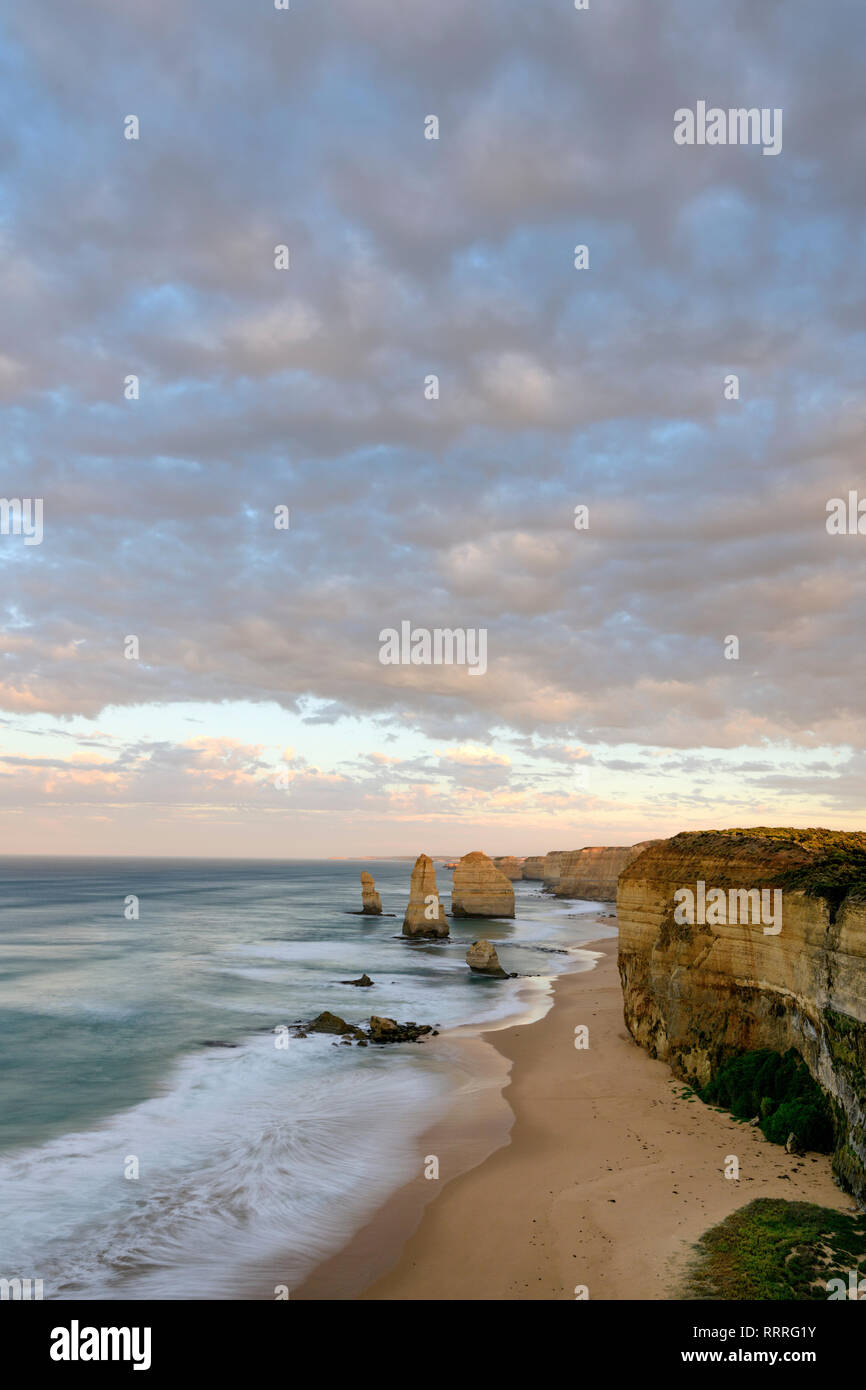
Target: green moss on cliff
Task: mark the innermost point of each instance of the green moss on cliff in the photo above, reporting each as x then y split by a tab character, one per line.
774	1250
779	1089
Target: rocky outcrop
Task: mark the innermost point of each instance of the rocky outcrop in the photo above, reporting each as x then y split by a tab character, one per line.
425	915
371	902
388	1030
381	1030
552	866
479	889
364	982
593	872
482	958
510	867
332	1023
699	991
533	867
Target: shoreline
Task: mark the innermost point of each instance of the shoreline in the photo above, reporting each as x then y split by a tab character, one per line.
605	1179
475	1125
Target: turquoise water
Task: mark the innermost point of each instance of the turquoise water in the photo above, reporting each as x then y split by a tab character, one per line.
149	1046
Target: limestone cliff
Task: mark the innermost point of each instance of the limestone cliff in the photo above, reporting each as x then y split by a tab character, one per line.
552	865
480	890
593	872
533	867
510	867
425	915
699	987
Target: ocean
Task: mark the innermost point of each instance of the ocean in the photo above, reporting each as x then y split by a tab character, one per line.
157	1139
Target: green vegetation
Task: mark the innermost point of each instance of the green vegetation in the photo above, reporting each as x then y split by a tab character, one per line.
835	866
780	1090
773	1249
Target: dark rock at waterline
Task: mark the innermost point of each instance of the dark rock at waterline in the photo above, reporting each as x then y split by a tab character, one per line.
381	1030
217	1042
364	981
388	1030
331	1023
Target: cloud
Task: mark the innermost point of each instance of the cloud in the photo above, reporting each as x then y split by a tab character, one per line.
455	257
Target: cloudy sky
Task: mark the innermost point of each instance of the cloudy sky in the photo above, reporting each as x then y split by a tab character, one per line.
258	719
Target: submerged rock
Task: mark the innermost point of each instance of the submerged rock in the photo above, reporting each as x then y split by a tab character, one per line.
363	982
480	890
425	915
482	958
371	902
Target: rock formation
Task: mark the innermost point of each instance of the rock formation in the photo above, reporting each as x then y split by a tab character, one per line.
552	865
593	872
387	1030
533	867
482	958
480	890
364	981
510	867
697	992
371	902
425	915
381	1030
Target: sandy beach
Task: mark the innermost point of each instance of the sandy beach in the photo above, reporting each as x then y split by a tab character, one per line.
607	1179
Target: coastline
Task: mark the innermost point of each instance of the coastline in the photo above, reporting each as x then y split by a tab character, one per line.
607	1177
476	1123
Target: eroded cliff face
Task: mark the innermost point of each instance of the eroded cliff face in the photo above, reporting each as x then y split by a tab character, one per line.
593	872
533	867
696	993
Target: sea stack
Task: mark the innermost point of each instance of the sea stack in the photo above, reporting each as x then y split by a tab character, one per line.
425	915
372	903
480	890
510	867
482	958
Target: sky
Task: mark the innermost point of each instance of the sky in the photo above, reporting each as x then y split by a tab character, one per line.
257	718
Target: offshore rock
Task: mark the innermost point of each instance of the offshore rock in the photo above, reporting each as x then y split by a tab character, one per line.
482	958
425	915
388	1030
331	1023
480	890
371	902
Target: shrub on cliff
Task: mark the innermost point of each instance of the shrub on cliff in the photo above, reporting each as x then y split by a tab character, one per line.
779	1089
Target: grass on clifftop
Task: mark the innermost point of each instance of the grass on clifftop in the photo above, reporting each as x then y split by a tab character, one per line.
773	1249
780	1091
838	857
